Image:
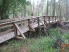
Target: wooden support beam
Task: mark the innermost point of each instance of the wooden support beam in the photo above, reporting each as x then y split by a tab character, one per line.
45	21
6	26
49	19
45	24
55	18
52	19
19	30
38	22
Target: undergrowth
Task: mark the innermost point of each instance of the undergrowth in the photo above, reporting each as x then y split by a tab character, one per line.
40	44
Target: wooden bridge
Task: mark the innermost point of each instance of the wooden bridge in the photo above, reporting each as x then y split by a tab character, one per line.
17	26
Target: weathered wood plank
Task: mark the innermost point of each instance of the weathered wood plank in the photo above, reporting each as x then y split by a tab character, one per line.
5	32
5	26
6	37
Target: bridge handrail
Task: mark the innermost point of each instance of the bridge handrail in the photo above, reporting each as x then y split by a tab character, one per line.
15	20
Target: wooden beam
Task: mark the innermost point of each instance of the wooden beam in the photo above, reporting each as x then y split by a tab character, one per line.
6	26
15	20
19	30
15	30
38	22
38	25
45	25
7	31
49	19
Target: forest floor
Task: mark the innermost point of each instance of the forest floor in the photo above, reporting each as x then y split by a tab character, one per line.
39	44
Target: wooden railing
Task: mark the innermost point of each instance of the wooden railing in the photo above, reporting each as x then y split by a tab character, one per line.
15	20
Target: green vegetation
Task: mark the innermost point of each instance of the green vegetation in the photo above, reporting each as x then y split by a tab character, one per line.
43	45
40	44
17	8
9	8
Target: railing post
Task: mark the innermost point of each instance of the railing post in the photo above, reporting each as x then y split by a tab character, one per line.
55	18
29	27
49	19
44	20
45	23
15	30
38	25
38	22
29	23
52	19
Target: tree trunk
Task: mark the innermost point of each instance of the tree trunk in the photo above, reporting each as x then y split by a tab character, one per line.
37	8
24	11
47	9
4	9
59	10
53	13
67	9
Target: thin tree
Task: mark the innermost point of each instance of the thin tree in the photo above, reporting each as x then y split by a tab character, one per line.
53	13
67	9
47	9
60	10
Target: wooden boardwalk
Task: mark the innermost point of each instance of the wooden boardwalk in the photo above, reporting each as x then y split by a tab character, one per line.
20	26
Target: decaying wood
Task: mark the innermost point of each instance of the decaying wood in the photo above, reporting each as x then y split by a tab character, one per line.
18	37
64	46
30	26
